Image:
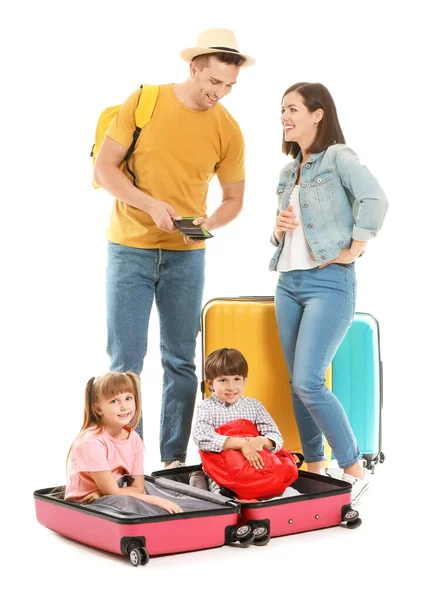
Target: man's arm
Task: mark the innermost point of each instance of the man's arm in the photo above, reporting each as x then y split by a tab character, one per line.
108	175
232	203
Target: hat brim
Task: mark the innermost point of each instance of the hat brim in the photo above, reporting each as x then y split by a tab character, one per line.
190	53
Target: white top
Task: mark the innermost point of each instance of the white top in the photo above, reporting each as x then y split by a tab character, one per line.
296	253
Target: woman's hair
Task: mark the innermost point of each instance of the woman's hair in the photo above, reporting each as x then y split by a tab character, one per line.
225	361
107	386
329	131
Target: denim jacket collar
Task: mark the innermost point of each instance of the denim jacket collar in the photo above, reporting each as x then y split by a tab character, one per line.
294	165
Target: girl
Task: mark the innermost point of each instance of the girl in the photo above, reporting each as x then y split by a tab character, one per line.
108	452
329	207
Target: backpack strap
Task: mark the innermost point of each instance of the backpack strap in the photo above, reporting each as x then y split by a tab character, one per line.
143	114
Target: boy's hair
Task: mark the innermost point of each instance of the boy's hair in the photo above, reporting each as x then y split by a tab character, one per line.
225	361
202	60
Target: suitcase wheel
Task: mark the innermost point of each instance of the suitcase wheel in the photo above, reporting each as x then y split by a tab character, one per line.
138	555
243	534
353	524
247	540
261	535
350	515
381	457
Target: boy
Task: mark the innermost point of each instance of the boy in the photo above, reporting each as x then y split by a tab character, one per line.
226	372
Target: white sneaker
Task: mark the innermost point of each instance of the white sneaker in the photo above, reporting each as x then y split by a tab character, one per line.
359	486
176	464
198	479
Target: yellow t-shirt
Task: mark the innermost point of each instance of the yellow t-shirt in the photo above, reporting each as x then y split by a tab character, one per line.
176	155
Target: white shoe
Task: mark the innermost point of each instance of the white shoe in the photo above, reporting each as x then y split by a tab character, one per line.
176	464
198	479
359	486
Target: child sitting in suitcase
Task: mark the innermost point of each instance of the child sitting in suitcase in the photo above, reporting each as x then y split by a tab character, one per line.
108	453
226	372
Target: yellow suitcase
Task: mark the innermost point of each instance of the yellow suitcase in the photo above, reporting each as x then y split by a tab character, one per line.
249	324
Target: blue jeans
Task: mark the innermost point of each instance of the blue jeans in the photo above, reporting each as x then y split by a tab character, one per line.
175	278
314	309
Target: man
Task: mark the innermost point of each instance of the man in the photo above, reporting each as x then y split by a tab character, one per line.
190	137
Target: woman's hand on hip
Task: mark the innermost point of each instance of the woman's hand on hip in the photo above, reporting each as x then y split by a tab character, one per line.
345	257
348	255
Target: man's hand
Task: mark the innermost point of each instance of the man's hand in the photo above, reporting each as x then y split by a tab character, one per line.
92	497
198	221
163	214
251	454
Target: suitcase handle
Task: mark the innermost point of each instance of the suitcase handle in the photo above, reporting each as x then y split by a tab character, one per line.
300	459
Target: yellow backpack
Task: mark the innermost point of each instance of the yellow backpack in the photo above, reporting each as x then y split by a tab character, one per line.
143	114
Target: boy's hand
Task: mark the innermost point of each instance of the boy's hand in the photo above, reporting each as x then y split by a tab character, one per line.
258	442
251	454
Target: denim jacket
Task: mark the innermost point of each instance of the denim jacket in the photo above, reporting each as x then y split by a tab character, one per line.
340	201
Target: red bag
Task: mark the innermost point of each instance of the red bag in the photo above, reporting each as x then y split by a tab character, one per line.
230	469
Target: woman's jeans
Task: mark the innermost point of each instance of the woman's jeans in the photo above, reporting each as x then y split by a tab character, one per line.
175	278
314	309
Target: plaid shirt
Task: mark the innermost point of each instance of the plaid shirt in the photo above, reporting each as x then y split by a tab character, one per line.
214	412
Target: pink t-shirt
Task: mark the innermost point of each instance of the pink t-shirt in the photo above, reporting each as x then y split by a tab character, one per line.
101	452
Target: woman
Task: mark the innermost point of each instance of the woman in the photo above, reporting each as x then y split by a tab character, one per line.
329	207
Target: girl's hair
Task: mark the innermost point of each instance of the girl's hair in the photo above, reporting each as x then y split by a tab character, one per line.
225	361
107	386
329	131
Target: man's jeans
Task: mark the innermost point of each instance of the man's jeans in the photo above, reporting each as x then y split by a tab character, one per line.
176	280
314	309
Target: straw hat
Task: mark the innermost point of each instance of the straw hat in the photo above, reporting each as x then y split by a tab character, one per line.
215	40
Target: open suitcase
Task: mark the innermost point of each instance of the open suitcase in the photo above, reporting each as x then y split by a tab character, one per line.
138	537
355	375
323	502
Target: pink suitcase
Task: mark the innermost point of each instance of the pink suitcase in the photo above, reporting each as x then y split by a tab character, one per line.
324	502
140	537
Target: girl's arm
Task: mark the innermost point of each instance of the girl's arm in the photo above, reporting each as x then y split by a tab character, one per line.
138	483
108	487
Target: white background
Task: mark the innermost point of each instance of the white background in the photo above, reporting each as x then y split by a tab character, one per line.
62	64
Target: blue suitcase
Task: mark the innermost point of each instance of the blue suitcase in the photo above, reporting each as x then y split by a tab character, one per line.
357	382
